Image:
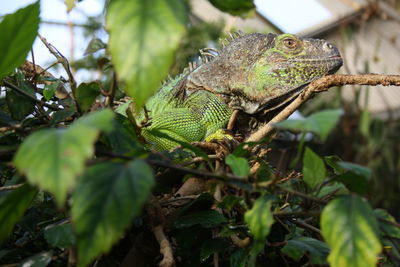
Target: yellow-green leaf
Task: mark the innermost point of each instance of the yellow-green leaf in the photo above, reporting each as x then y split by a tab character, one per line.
349	227
259	217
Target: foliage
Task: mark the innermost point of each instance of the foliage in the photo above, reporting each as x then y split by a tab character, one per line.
77	177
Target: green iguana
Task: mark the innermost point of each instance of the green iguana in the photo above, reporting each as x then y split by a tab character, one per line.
253	73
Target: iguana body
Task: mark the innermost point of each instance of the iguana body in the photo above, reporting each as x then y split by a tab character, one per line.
253	73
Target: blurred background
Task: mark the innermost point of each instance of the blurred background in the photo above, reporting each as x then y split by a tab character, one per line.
366	32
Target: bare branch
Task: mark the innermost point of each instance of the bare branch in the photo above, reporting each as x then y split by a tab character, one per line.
319	85
63	60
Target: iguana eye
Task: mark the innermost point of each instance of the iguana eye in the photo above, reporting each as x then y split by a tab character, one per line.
290	43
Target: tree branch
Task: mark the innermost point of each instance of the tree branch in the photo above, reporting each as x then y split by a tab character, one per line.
22	92
319	85
63	60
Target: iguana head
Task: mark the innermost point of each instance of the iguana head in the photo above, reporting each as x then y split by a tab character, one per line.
256	71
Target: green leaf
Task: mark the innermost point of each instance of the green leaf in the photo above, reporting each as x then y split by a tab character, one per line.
86	94
20	106
298	246
61	115
13	206
259	217
50	89
109	196
18	31
313	168
95	45
60	236
39	260
205	218
53	158
320	123
349	227
211	246
355	177
234	7
239	165
144	35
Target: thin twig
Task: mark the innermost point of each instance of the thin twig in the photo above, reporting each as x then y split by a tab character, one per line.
63	60
295	213
303	195
319	85
306	226
10	187
204	174
22	92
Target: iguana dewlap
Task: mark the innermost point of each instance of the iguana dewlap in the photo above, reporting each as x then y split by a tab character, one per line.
254	72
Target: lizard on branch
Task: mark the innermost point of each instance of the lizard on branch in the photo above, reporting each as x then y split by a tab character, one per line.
255	73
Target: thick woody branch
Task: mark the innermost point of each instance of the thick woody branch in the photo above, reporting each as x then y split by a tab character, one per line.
319	85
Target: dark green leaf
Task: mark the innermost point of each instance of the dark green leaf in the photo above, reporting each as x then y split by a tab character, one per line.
355	183
53	158
86	94
332	162
211	246
387	224
12	207
205	218
320	123
239	165
39	260
260	218
20	106
95	45
356	169
234	7
313	168
61	115
109	196
122	138
143	38
339	188
18	31
229	202
298	246
355	177
349	227
238	258
60	236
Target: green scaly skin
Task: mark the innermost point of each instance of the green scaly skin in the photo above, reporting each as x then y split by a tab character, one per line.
253	73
